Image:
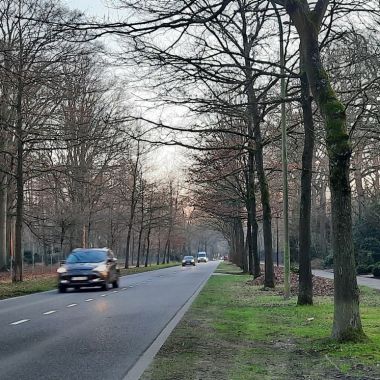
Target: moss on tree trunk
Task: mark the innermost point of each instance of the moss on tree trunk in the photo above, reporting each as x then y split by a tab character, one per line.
347	324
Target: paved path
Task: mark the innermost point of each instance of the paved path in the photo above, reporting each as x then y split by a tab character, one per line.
362	280
92	334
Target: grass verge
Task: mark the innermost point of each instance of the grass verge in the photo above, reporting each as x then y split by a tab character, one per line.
134	270
42	284
236	331
35	285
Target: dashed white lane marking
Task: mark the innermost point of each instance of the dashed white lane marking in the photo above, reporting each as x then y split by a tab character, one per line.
89	300
49	312
115	291
103	295
124	289
130	286
19	322
72	305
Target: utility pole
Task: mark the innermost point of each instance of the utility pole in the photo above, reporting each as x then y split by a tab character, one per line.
284	160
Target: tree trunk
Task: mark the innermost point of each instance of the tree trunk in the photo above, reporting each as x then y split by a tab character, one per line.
256	256
248	242
244	252
254	126
133	207
147	248
322	219
253	255
3	221
376	182
305	289
159	246
240	254
18	258
139	247
267	214
358	162
232	241
347	323
168	253
164	255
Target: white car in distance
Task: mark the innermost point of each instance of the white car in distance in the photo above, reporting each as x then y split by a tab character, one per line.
202	257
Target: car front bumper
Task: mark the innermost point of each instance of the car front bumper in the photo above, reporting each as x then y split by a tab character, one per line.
76	280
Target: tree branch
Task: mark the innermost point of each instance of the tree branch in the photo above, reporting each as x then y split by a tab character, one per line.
319	11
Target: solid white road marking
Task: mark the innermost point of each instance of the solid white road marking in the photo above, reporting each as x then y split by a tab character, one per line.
72	305
20	321
89	300
49	312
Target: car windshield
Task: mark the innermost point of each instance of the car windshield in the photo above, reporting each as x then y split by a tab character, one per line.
87	256
201	254
188	258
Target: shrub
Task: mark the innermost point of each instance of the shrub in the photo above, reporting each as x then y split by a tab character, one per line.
295	269
376	270
364	257
363	269
328	261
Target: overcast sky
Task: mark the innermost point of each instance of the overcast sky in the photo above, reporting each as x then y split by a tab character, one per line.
91	7
167	160
96	8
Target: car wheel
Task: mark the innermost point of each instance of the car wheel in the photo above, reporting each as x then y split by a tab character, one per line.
105	286
115	284
62	289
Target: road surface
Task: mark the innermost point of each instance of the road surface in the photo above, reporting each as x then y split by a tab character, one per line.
362	280
92	334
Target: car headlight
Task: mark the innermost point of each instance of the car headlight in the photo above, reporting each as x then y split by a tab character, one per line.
183	261
192	260
102	269
61	270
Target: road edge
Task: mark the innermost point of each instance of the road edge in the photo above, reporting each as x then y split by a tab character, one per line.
55	289
136	371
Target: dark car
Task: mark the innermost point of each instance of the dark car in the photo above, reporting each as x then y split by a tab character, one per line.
188	260
87	267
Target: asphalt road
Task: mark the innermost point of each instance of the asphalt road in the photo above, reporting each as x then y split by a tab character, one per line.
369	281
92	334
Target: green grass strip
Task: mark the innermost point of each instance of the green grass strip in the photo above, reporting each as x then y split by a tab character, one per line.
236	331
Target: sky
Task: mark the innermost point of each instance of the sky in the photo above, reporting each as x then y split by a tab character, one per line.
96	8
167	160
